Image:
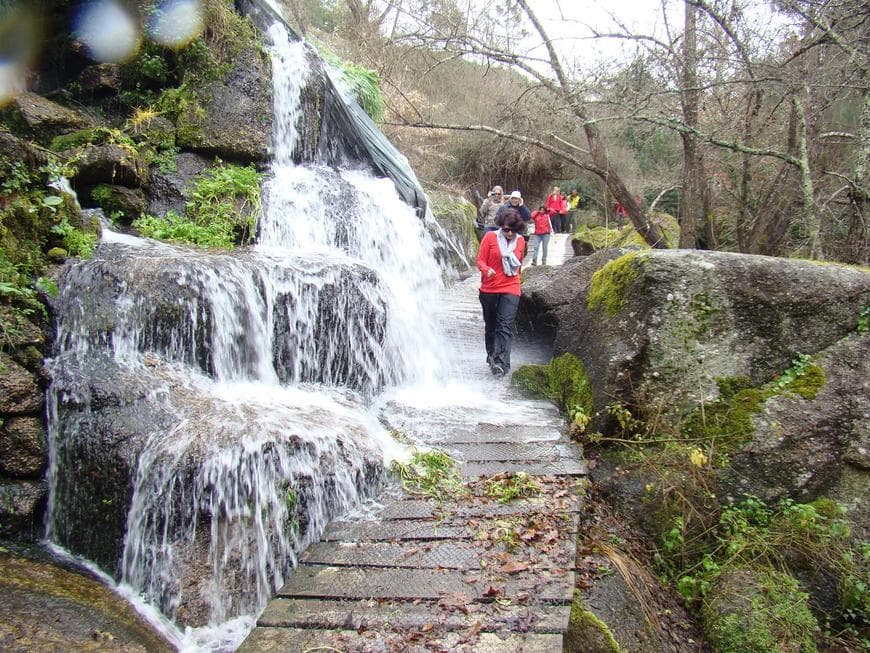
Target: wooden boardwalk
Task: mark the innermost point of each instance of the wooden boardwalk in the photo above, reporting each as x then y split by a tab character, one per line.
465	574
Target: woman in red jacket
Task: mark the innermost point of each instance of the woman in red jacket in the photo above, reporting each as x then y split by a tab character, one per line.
499	261
554	208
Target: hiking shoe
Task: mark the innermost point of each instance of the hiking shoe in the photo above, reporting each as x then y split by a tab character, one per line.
497	370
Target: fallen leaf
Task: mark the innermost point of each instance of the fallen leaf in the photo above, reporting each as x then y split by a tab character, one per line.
514	567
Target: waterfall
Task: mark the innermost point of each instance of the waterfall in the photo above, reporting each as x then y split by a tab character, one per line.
210	412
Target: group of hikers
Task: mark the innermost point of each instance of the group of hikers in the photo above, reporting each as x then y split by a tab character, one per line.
501	256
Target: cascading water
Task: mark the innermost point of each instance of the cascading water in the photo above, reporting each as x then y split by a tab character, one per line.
210	413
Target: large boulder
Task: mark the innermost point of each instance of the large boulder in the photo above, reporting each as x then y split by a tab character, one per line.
806	447
109	164
656	329
171	190
233	116
40	118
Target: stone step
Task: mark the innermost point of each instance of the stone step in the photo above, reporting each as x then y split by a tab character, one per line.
564	467
405	529
486	433
420	584
431	509
452	613
450	554
419	530
424	640
504	451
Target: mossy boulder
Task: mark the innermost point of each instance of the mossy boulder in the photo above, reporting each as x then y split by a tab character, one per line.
588	239
109	163
625	610
758	610
563	381
800	441
455	239
232	116
656	329
35	117
119	201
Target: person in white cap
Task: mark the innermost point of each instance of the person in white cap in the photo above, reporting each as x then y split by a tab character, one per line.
515	201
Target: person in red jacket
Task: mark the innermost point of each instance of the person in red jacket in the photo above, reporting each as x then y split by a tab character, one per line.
541	237
499	261
554	208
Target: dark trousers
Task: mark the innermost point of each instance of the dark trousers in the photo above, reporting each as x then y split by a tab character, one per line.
499	312
556	221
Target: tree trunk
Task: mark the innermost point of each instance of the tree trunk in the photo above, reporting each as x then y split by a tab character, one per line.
859	194
810	214
693	182
744	211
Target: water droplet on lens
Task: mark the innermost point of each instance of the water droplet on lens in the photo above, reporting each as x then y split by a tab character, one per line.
176	23
108	31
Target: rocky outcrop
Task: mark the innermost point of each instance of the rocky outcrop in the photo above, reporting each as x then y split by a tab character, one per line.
23	451
171	190
657	329
233	116
40	118
760	364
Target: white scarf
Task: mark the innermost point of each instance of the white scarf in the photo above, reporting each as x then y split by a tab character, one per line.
509	263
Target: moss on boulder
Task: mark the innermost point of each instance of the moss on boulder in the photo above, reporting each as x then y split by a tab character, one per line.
609	284
563	381
757	611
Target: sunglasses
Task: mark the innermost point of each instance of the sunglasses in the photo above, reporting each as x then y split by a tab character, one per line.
508	230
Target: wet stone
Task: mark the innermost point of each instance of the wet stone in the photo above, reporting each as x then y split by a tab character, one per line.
449	614
414	584
422	641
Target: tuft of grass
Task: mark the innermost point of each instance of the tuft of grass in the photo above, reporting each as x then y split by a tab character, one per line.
504	488
432	474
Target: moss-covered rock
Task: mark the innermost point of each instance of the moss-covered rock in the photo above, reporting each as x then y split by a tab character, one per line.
564	381
588	239
35	117
610	284
758	611
587	633
125	204
455	241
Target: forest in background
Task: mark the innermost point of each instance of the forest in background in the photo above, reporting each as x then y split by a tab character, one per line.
749	121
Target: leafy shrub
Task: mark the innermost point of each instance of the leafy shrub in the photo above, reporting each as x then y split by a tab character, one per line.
76	241
223	209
